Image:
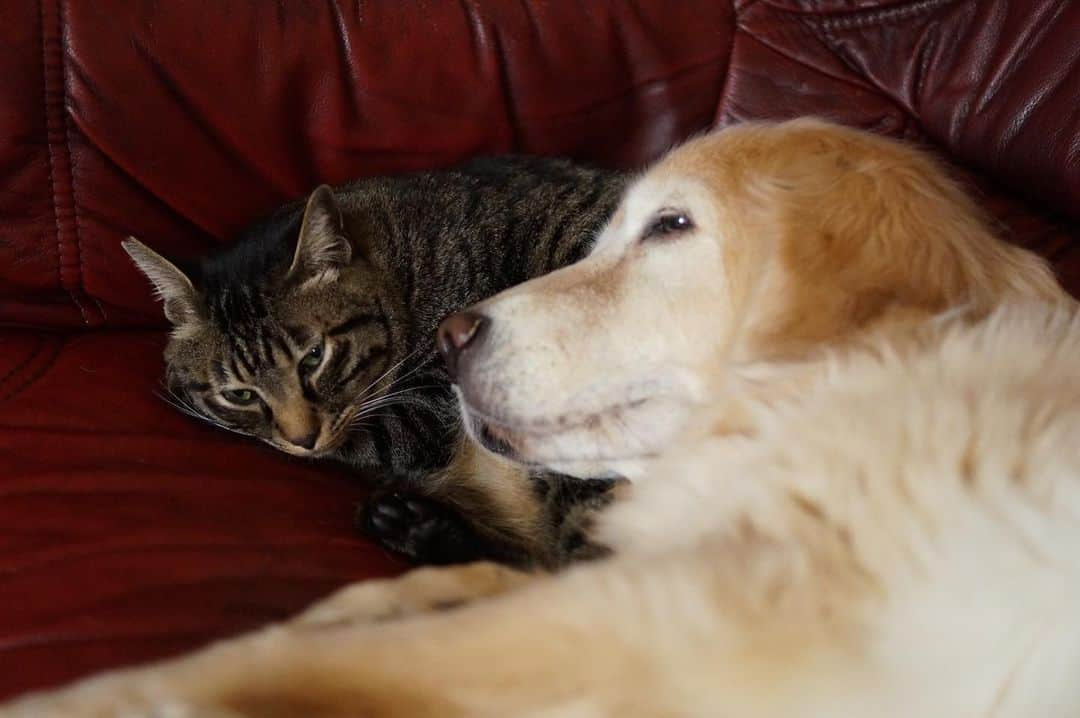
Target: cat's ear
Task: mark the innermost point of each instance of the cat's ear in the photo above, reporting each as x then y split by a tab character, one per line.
170	284
322	249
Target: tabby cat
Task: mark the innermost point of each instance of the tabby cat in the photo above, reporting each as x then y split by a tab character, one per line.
315	334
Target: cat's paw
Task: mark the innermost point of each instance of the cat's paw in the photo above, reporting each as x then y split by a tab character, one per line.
423	530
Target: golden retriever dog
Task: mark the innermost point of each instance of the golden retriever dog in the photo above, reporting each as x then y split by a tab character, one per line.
851	417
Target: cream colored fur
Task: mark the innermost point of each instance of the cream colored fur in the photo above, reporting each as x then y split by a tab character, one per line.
871	507
804	236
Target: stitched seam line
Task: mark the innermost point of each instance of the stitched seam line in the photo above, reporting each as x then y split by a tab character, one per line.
68	128
876	17
60	179
48	138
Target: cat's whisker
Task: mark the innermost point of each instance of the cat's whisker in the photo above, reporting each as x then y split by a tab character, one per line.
398	380
395	397
361	420
419	365
185	407
391	393
409	390
401	397
180	405
363	392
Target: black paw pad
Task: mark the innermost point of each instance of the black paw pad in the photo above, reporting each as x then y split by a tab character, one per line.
423	530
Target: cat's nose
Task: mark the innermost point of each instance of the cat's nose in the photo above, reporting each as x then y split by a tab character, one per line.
298	427
304	441
457	333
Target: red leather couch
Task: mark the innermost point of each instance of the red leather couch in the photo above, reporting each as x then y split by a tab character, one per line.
128	532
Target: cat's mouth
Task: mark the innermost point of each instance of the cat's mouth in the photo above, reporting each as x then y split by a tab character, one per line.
331	437
319	451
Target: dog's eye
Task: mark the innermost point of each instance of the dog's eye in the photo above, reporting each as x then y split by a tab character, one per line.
239	396
668	224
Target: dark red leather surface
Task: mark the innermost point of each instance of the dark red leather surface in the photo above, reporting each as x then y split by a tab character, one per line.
127	531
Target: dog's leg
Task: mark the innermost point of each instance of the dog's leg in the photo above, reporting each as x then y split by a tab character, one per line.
418	591
428	665
750	631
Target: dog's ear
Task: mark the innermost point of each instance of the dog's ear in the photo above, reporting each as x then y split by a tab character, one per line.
323	247
182	303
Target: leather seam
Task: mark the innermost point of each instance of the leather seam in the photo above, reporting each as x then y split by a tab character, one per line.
48	141
59	147
876	17
77	217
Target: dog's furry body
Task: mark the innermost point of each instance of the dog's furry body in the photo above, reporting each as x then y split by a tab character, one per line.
872	506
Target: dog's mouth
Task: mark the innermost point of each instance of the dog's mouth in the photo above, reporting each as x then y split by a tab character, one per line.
598	436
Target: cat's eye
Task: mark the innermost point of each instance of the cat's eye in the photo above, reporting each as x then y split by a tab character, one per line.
667	224
313	358
239	396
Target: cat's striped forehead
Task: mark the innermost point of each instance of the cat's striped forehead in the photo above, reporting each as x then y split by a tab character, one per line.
253	353
250	336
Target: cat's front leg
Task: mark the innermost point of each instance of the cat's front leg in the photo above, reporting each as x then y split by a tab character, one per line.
483	507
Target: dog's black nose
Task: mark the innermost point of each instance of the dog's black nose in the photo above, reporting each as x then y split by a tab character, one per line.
457	332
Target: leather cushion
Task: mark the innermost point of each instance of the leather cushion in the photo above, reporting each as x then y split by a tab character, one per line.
129	532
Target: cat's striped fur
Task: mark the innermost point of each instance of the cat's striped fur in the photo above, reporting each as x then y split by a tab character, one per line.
315	333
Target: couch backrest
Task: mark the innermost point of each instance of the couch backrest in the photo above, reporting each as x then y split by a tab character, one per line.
180	122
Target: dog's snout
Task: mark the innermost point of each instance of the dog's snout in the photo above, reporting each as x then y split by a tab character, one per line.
456	333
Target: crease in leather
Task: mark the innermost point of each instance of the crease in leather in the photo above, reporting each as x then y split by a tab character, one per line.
39	361
18	366
91	138
721	98
186	104
637	86
506	84
828	25
1030	36
801	62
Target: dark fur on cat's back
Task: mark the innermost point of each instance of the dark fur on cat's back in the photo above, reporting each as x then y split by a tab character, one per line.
314	331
